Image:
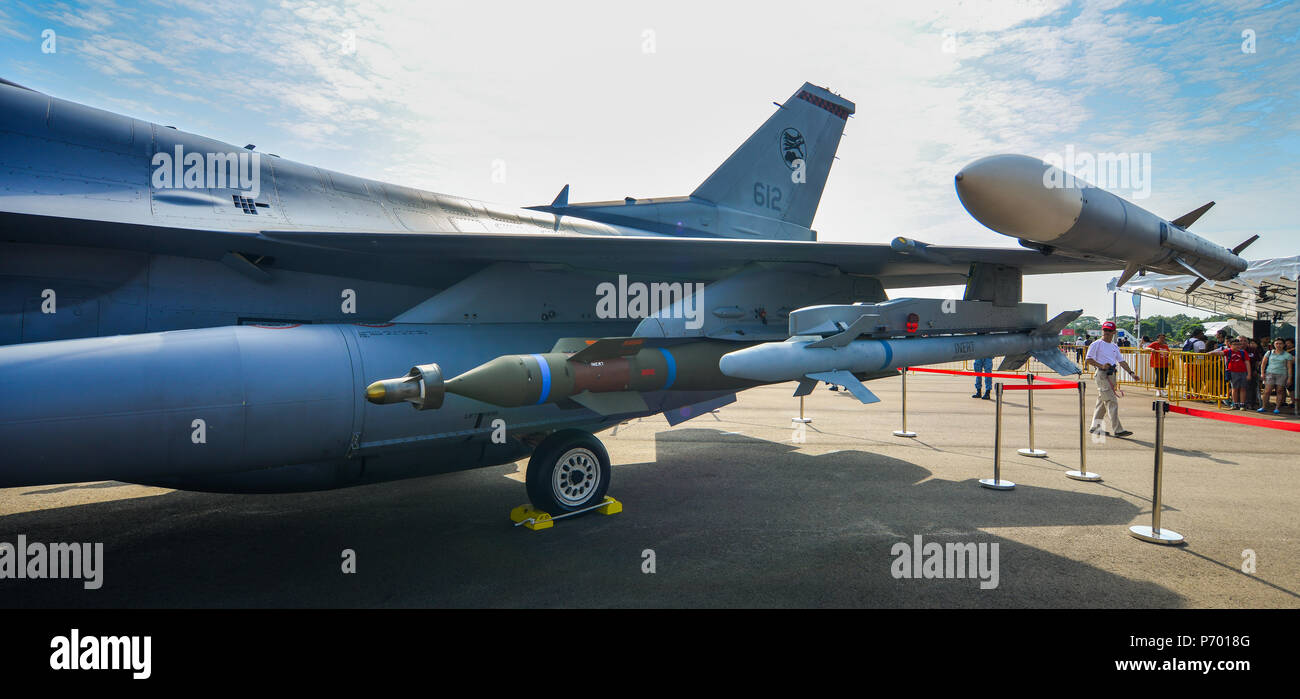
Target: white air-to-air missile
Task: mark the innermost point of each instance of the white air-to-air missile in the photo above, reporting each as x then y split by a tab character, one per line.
1049	210
840	343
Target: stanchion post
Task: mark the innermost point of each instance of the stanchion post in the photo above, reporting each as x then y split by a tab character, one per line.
996	482
801	418
1154	533
903	432
1082	474
1031	451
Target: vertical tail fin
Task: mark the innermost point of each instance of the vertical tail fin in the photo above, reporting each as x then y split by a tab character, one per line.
781	170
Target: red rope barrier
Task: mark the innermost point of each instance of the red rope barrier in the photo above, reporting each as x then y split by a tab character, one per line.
966	373
1256	421
1038	387
1048	379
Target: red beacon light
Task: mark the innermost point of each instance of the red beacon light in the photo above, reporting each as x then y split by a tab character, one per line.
913	322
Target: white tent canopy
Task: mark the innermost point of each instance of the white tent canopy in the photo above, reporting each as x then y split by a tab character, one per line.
1267	289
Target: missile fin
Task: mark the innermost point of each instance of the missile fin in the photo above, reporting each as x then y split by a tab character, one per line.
1195	285
805	387
608	348
677	416
1190	217
1011	362
848	381
1058	362
859	327
1193	270
569	345
1245	244
561	199
612	403
1130	270
1054	326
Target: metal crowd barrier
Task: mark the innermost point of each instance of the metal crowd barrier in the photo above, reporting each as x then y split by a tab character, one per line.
1046	383
1154	533
1190	376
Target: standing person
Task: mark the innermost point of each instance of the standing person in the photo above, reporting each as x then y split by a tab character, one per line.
1289	343
1160	363
1278	366
984	365
1254	348
1194	343
1220	339
1104	355
1238	373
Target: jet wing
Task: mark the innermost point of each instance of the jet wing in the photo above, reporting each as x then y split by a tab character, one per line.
698	258
419	258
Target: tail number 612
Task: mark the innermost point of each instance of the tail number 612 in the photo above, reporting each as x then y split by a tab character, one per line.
767	197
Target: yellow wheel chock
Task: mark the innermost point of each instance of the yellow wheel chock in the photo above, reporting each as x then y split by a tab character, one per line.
527	516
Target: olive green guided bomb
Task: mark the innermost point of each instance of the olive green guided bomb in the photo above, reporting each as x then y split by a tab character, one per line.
607	375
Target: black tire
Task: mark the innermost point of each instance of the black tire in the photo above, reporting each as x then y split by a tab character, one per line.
568	471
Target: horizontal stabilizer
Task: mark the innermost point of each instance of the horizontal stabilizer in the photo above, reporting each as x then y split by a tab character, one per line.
848	381
677	416
860	327
1190	217
1058	362
613	403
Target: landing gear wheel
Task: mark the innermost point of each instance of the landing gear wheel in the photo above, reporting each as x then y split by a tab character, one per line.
568	471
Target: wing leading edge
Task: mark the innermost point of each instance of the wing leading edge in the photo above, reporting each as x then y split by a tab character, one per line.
690	256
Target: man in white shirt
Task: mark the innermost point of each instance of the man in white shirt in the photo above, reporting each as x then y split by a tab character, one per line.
1105	357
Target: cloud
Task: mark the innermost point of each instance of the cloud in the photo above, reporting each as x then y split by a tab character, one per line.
92	16
429	96
116	56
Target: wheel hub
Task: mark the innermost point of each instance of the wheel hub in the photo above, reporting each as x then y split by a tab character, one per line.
577	475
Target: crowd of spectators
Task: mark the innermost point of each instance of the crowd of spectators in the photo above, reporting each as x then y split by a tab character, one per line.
1259	373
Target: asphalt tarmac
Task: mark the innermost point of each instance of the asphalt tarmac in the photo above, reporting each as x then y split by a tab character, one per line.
733	510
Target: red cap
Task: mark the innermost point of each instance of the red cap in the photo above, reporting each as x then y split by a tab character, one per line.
1108	325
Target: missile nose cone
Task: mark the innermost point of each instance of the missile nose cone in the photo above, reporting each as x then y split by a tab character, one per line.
1020	196
375	392
728	364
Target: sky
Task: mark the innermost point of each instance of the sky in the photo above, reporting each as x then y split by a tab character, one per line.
507	102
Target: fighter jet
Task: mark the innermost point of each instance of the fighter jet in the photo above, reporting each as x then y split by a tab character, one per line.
188	313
